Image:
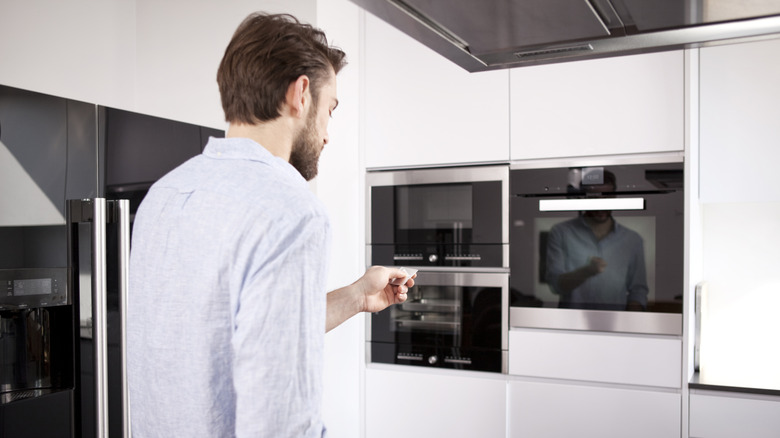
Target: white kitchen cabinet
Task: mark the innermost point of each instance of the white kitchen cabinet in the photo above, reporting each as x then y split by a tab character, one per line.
422	109
652	361
739	129
555	410
413	402
720	414
622	105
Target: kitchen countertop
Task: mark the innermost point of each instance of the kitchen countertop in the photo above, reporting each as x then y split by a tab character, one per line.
697	382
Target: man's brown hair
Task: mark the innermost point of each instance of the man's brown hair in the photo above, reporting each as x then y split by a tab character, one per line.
266	54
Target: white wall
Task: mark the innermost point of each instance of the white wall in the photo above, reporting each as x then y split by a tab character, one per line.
148	56
179	46
340	187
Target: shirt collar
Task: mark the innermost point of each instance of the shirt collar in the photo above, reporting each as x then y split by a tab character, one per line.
236	148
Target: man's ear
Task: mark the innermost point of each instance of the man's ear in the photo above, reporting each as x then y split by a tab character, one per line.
299	95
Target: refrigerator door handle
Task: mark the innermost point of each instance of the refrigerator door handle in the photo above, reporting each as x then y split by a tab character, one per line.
123	210
99	315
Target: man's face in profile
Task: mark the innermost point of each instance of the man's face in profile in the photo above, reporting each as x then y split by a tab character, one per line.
312	138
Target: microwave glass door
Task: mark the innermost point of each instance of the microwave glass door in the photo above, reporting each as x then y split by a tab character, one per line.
436	213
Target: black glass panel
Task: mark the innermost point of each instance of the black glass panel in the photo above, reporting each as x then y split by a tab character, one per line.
600	258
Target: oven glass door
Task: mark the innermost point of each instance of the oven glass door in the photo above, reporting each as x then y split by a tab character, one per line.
455	320
598	253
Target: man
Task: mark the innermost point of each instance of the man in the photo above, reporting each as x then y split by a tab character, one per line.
227	309
594	262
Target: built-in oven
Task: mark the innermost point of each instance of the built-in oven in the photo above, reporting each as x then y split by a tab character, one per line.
439	218
598	246
453	320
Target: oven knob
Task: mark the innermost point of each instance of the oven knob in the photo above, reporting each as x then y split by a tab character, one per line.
432	359
433	258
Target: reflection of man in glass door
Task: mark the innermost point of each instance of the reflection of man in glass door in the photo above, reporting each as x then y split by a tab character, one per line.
593	262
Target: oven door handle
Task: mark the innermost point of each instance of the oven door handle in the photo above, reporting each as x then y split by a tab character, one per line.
591	204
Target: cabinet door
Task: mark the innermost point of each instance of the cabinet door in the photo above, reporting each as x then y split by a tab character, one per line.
424	404
739	129
596	357
720	415
422	109
627	104
553	410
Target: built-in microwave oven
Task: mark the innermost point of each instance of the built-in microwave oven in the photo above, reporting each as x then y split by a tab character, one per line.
598	246
439	218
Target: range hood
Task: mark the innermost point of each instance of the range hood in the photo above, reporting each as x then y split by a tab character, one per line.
484	35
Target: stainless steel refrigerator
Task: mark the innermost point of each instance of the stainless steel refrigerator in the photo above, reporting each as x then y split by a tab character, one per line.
72	175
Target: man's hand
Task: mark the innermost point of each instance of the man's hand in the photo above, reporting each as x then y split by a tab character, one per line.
370	293
597	265
378	292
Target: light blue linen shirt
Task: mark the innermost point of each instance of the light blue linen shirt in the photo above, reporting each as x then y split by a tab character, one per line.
226	313
570	246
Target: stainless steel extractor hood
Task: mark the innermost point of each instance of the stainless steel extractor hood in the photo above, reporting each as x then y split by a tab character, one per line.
483	35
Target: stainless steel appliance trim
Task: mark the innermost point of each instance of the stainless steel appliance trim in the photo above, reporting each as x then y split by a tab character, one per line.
428	305
592	204
460	278
433	26
596	320
731	32
463	257
403	356
399	257
123	209
604	160
99	312
429	325
465	270
437	175
597	16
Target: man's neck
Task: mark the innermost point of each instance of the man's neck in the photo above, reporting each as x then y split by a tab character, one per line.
273	136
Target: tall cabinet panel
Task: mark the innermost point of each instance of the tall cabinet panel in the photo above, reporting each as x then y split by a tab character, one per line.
622	105
421	109
739	135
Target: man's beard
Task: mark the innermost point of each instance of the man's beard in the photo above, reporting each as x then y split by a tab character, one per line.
306	148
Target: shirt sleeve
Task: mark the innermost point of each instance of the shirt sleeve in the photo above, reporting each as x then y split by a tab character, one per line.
278	332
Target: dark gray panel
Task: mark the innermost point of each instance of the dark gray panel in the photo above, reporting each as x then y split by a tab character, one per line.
490	25
82	179
140	148
33	247
33	127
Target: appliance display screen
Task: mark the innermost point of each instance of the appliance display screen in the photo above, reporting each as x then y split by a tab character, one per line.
33	286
